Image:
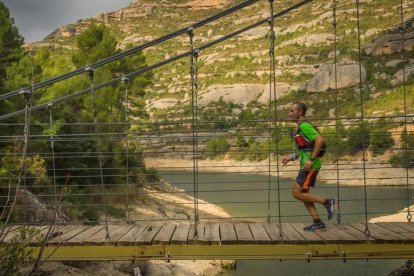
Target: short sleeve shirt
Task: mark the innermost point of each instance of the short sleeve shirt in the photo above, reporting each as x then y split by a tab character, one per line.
309	131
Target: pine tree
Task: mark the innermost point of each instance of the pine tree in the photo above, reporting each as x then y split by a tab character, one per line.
10	43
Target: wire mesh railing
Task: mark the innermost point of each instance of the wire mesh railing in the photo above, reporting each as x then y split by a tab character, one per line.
104	169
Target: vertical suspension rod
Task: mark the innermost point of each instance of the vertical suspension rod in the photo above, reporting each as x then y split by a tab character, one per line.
194	125
52	149
272	88
98	147
126	82
366	232
334	24
409	216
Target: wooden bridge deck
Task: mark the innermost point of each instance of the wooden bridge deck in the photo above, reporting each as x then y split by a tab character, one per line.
223	241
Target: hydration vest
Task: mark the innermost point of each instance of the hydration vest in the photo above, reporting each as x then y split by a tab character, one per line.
304	143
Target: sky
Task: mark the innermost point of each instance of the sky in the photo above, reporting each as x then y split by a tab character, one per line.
35	19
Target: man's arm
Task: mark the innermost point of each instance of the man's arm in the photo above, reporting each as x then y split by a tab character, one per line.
319	140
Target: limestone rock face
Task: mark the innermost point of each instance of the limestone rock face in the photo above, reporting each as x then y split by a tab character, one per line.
390	44
236	93
207	4
310	40
243	93
348	76
163	103
64	31
399	76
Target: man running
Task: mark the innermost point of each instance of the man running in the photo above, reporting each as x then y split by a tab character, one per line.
310	142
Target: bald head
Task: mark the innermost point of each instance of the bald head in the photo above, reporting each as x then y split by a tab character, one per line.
301	107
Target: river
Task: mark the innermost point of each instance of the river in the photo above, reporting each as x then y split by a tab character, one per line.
246	196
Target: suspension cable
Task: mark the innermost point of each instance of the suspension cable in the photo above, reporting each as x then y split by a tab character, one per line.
334	24
194	124
409	216
272	94
52	150
126	102
98	147
133	50
366	231
159	64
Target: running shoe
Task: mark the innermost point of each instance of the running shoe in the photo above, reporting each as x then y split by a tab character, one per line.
331	208
315	226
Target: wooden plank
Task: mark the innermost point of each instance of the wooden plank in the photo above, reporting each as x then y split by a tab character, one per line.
272	231
196	239
82	236
388	233
165	234
227	233
343	236
100	237
409	226
379	236
394	227
212	233
310	236
292	236
148	235
15	234
117	234
260	235
180	235
9	229
328	236
58	231
397	229
130	236
244	236
354	232
62	239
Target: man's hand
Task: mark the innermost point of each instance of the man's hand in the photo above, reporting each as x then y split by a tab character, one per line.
308	164
286	160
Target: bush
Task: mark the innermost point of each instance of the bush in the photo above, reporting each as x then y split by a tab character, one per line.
216	147
14	253
405	158
381	141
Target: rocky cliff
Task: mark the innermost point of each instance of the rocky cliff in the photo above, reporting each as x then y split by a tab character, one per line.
237	70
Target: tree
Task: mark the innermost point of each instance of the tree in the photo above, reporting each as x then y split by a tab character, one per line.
10	43
94	44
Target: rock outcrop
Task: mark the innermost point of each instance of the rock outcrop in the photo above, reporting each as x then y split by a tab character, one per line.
208	4
243	93
64	31
390	44
310	40
402	74
347	76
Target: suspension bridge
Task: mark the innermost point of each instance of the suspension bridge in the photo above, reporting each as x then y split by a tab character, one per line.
276	234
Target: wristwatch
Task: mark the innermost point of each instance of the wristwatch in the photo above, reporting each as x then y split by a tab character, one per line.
312	158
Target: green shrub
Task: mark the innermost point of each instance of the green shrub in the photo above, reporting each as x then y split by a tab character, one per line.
14	253
216	147
381	141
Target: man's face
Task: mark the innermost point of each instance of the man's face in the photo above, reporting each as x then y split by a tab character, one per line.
294	112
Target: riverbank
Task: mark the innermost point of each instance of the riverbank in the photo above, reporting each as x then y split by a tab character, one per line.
161	201
349	171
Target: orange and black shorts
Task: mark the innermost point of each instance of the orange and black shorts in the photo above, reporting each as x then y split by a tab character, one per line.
307	178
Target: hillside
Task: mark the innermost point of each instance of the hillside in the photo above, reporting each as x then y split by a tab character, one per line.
237	70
